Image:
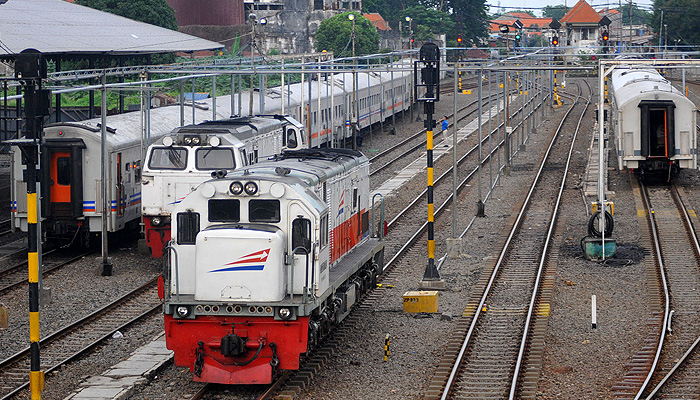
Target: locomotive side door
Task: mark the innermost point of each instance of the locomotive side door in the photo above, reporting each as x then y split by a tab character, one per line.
303	246
60	184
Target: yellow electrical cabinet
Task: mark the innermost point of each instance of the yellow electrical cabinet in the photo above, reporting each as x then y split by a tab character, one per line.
424	301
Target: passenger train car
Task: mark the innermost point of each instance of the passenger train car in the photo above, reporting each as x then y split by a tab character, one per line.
299	251
323	105
176	164
654	123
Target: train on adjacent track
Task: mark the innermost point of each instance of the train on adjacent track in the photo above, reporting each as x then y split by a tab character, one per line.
70	182
302	245
176	164
654	124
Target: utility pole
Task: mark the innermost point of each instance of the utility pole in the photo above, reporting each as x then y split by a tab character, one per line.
353	121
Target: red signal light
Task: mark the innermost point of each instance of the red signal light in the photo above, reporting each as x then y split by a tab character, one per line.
555	41
459	40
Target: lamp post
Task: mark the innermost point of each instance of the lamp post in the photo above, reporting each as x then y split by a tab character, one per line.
410	33
353	121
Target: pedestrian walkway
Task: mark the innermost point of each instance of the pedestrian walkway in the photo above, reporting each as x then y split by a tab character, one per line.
119	381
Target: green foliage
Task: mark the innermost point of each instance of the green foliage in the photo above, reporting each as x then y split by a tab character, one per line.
426	22
471	20
154	12
555	12
639	16
335	34
682	18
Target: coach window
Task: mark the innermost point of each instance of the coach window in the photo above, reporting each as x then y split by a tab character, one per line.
264	211
168	158
215	158
301	236
63	171
224	210
187	227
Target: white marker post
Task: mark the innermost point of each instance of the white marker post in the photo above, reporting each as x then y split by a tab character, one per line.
594	318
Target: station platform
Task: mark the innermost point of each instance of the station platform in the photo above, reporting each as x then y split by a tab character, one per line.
119	381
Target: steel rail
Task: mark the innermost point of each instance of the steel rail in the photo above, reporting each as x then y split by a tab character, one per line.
545	250
501	258
664	281
696	247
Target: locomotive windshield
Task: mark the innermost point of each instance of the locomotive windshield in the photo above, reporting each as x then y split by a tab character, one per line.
224	210
264	211
168	158
215	158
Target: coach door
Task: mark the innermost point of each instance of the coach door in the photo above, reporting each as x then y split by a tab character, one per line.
60	173
657	128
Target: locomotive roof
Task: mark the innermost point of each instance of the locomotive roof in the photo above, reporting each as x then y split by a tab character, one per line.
243	128
309	165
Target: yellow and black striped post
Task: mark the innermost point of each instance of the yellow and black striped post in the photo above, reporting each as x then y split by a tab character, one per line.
386	347
30	67
429	58
606	89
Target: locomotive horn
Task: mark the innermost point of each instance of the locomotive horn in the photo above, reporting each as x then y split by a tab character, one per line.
218	174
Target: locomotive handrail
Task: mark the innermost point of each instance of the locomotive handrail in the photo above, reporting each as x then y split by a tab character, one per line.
380	232
170	248
306	283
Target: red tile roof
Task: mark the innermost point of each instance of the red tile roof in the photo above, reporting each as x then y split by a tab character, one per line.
582	12
378	22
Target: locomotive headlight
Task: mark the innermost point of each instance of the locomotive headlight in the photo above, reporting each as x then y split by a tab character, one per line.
285	313
195	140
251	188
182	311
155	221
188	140
214	141
236	188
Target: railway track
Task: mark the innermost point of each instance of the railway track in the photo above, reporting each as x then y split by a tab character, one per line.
672	341
297	381
16	275
78	337
491	344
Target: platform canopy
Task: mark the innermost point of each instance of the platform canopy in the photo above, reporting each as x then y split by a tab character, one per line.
59	27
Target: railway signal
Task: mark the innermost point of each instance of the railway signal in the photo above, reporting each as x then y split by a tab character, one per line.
517	39
605	36
555	40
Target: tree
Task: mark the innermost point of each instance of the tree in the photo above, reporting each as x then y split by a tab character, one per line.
638	15
154	12
681	18
335	34
427	23
555	12
470	18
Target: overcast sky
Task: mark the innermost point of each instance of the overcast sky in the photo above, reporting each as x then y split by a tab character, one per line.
536	5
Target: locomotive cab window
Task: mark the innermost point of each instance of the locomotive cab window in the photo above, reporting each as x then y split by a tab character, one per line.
210	158
301	236
168	158
224	210
264	211
291	138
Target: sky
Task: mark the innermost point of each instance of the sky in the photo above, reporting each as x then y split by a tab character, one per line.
536	5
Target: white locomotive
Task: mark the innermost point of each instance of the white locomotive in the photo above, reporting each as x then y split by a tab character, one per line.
654	123
176	164
263	262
